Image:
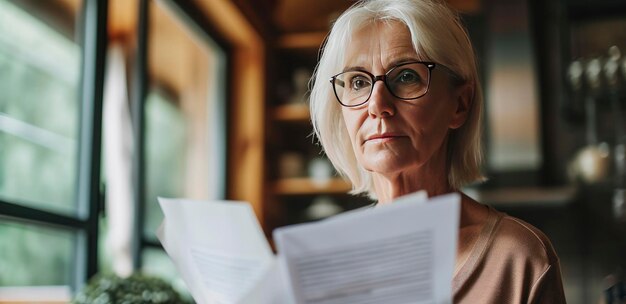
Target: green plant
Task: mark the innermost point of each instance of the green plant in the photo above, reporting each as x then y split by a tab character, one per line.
138	288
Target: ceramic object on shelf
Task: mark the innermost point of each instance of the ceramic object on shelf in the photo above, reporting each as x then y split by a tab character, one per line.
291	164
591	164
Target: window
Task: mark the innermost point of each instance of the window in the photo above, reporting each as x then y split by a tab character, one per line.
49	156
511	97
51	102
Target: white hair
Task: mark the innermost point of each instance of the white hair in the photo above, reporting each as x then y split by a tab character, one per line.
438	36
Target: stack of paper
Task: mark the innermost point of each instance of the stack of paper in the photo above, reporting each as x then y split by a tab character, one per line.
400	253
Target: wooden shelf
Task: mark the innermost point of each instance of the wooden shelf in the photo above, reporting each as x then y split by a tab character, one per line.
291	112
312	40
303	186
525	196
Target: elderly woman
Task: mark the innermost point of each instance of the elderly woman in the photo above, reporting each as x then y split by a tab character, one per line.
396	105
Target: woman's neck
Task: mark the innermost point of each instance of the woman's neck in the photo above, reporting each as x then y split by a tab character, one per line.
430	177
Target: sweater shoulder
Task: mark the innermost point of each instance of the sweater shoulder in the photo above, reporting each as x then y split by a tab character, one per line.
522	239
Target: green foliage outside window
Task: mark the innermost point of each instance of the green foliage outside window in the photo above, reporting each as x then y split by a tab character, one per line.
32	255
39	76
165	156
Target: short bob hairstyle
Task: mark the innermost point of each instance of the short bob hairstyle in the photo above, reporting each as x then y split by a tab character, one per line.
438	36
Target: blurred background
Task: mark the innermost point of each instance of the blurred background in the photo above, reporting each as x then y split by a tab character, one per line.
105	105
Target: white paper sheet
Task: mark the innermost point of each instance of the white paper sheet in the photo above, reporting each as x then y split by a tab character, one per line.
218	248
400	253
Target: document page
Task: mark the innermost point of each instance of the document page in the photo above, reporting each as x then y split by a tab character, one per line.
398	253
220	252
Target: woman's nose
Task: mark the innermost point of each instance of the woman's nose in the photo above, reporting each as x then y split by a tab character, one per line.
381	102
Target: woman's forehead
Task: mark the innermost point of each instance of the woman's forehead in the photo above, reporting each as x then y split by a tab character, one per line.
380	42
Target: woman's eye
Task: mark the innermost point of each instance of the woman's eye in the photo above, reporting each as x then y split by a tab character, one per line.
359	83
408	76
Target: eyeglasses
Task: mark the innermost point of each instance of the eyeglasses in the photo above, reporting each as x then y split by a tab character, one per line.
406	81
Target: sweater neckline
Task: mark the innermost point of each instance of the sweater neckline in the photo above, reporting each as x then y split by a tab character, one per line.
478	250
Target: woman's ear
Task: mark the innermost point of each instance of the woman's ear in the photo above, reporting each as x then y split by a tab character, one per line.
464	99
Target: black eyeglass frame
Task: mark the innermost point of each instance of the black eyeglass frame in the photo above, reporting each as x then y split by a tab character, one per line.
430	65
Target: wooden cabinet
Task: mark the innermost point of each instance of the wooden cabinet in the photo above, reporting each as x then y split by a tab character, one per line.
301	184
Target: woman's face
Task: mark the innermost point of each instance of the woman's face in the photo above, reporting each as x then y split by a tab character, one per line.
390	135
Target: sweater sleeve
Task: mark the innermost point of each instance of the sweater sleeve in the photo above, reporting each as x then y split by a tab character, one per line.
548	288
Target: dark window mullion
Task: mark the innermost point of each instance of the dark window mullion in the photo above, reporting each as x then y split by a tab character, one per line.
20	212
94	41
151	244
140	92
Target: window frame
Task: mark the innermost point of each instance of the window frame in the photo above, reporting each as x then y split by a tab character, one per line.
190	15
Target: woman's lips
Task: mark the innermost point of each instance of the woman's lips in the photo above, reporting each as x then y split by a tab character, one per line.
385	137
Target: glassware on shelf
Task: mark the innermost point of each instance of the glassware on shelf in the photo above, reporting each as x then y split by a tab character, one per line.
300	82
322	207
320	171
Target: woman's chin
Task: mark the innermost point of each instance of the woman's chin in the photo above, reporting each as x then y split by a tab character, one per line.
389	165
